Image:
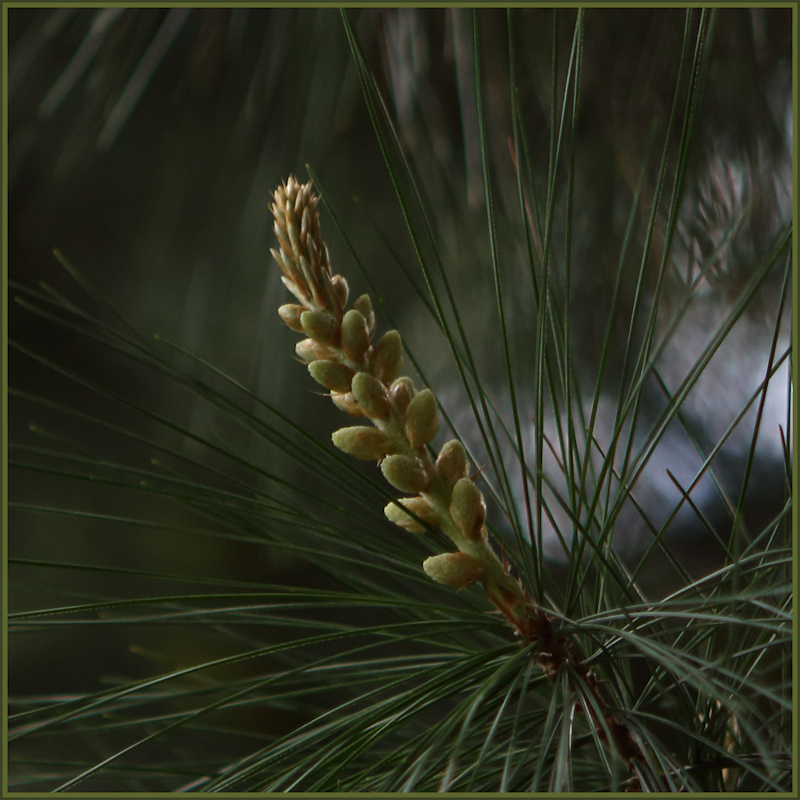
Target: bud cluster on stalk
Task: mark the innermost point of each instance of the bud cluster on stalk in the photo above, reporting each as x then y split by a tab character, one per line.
363	378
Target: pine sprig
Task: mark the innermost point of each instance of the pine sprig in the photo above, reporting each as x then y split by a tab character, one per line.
364	381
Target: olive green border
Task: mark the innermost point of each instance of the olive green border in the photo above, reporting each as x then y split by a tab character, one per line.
4	338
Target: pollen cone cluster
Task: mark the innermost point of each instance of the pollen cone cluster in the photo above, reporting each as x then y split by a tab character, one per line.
363	375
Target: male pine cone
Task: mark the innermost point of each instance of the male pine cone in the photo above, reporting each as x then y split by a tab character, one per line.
364	381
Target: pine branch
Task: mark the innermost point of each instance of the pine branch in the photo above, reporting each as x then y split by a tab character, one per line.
364	380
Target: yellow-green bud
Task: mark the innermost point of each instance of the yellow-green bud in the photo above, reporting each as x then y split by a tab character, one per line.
309	350
371	395
387	357
364	305
297	287
355	336
401	392
290	314
421	420
347	403
452	462
417	505
368	444
454	569
290	278
405	473
320	326
341	289
467	508
331	375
